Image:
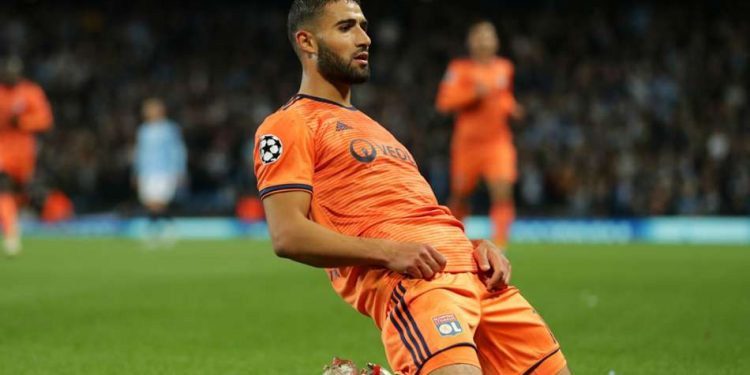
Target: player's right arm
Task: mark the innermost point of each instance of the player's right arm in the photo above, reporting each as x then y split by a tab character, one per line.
296	237
458	91
35	115
284	166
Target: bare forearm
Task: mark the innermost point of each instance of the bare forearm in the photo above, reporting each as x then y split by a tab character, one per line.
307	242
449	102
296	237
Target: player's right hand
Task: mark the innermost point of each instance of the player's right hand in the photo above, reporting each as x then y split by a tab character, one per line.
493	263
18	107
419	261
482	90
13	121
519	112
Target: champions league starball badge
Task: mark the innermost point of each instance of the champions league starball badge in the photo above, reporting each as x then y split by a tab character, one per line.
270	148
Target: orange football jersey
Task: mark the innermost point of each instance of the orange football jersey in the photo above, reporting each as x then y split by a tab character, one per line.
17	142
484	119
363	183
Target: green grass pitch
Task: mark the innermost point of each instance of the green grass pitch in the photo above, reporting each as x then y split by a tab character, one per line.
107	306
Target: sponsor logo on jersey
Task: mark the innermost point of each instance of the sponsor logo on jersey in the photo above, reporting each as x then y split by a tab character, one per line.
366	152
362	150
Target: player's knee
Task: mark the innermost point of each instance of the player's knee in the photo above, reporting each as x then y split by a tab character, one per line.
459	197
460	369
501	191
6	183
156	207
563	371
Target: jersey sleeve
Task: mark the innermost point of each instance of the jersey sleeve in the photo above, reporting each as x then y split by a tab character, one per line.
38	116
456	90
284	156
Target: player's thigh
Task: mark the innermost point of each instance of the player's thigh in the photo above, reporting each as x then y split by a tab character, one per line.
157	189
466	169
513	337
15	175
500	190
430	325
7	184
499	163
11	182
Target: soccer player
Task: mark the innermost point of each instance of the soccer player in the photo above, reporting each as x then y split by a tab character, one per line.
160	166
479	91
24	111
341	193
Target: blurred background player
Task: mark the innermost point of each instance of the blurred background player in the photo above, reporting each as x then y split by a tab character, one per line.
24	111
479	91
160	167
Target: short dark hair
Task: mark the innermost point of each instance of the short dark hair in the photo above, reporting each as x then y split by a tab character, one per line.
303	11
477	22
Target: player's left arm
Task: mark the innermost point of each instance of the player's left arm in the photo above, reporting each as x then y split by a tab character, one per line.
493	263
516	110
457	91
36	114
180	153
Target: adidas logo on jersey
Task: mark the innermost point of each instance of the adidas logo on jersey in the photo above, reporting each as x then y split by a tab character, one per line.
340	126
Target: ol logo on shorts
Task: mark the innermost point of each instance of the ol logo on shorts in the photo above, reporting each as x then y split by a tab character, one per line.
447	325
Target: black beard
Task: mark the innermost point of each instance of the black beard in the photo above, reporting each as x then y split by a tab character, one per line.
335	69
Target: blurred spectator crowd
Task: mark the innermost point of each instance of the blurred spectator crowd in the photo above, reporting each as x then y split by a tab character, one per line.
632	110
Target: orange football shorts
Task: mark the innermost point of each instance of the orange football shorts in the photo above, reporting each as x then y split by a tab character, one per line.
492	161
454	319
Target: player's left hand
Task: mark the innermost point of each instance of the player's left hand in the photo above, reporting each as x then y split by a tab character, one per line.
494	265
519	112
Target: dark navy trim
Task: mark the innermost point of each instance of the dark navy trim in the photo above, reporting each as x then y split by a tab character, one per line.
412	341
419	368
420	353
276	188
291	101
532	368
411	319
403	339
324	100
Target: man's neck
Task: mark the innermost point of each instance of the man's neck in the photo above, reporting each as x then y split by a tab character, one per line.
483	59
156	120
314	84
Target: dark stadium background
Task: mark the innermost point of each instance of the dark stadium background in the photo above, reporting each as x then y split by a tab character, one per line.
634	109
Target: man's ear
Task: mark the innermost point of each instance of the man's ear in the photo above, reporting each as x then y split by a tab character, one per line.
306	43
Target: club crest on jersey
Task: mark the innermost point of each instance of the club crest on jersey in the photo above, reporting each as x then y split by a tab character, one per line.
270	148
447	325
